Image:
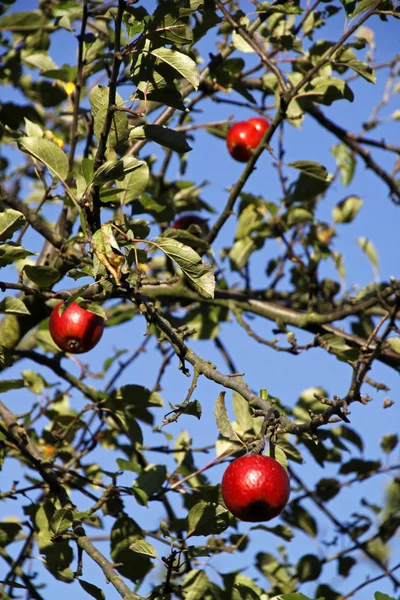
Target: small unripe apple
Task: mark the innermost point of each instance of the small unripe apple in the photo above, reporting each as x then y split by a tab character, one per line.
77	330
255	488
185	221
260	124
241	140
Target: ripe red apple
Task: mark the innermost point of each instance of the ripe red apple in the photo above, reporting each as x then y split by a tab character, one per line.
243	137
77	330
185	221
260	124
241	140
255	488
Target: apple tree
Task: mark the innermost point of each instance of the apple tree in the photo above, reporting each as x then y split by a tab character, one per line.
223	280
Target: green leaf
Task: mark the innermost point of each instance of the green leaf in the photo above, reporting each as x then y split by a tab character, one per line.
10	253
369	249
169	138
92	590
143	547
241	251
12	305
243	415
98	99
241	591
187	238
170	22
195	585
327	90
241	44
34	382
346	210
222	419
297	215
151	479
297	516
282	531
12	584
381	596
279	455
48	153
117	169
389	442
61	521
310	168
338	345
394	343
128	465
11	384
205	518
8	532
348	434
360	466
308	568
42	276
133	401
194	409
124	532
24	22
135	183
107	250
10	221
345	161
362	69
199	273
295	596
345	564
181	63
327	488
362	7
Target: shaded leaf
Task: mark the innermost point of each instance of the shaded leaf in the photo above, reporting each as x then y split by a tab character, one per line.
117	169
165	136
41	275
10	253
61	521
206	519
92	590
389	442
308	568
12	305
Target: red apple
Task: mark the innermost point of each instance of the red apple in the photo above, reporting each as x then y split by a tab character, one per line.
185	221
260	124
77	330
255	488
241	140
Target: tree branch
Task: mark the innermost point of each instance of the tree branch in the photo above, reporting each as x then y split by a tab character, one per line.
353	143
